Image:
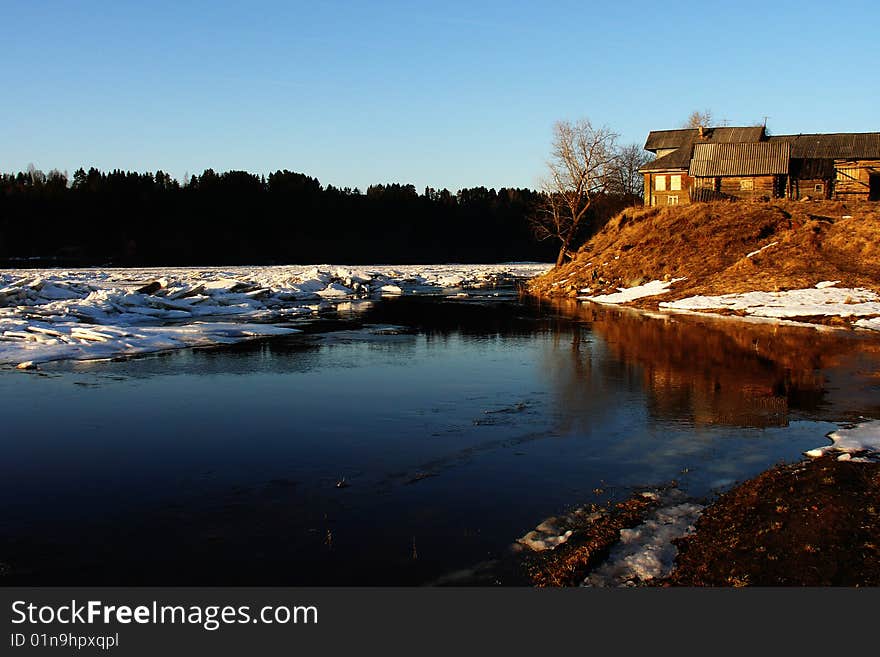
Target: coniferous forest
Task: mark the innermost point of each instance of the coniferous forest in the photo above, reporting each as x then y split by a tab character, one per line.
137	219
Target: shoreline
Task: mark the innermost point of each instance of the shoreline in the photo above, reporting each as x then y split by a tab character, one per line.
811	522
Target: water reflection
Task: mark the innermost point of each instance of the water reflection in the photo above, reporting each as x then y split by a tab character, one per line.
717	371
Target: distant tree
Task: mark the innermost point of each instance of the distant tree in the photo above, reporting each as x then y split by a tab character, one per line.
580	169
697	119
36	176
79	178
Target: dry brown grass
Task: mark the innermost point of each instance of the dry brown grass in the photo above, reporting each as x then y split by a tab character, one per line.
708	243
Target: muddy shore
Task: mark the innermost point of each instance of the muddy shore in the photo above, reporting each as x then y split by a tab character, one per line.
811	523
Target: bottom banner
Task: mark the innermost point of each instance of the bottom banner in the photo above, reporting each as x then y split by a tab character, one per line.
285	621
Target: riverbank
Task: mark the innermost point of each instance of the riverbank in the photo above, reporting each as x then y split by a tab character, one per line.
816	262
809	523
812	523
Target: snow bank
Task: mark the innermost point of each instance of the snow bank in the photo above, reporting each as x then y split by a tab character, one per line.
821	301
872	324
99	313
625	295
646	551
858	443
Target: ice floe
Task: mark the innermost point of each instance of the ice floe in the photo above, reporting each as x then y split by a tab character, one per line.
101	313
647	551
820	301
625	295
858	443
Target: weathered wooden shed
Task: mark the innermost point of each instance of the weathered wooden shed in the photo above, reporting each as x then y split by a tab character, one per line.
845	165
746	170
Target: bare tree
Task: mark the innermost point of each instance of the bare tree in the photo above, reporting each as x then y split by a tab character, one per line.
580	169
697	119
626	179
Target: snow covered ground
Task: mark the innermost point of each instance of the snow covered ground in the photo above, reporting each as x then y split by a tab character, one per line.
101	313
627	294
824	300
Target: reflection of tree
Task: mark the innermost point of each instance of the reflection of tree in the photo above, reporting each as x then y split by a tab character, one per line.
714	370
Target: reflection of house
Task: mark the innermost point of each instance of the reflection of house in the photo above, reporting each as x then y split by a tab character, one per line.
703	164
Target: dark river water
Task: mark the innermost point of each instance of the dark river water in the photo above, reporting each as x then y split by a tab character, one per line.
451	436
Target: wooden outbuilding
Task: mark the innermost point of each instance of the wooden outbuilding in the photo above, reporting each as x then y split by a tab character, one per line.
754	170
840	165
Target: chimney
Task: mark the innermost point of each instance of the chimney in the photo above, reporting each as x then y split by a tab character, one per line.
702	132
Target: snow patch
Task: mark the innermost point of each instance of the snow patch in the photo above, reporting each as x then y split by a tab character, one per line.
858	443
754	253
625	295
872	324
539	540
809	302
646	552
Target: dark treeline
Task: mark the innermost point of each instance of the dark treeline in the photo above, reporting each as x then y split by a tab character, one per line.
126	218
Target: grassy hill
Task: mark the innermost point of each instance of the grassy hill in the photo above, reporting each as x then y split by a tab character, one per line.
713	245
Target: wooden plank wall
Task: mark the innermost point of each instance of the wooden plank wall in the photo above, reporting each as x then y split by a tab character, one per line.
761	186
806	188
855	189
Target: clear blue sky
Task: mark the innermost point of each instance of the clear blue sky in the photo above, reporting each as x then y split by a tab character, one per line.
449	94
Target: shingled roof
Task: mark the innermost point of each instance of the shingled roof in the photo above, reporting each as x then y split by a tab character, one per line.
839	146
754	159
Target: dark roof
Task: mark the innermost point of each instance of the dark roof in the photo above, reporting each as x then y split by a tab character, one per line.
678	159
684	140
659	139
839	146
754	159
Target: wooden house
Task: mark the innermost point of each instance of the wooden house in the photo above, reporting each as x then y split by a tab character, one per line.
667	178
703	164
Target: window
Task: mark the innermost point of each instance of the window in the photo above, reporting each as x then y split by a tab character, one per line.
660	183
747	184
675	183
672	200
819	189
